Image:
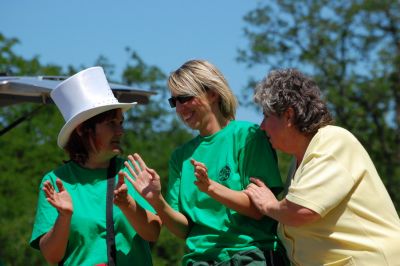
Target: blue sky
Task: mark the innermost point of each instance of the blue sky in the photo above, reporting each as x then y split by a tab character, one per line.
164	33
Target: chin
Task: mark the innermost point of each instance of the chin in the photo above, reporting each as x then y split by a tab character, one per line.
117	151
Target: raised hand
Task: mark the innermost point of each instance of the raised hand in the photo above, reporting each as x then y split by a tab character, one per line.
60	200
261	196
146	181
121	198
200	171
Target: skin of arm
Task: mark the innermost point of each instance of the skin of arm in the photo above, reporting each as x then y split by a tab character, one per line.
283	211
146	224
53	244
147	183
235	200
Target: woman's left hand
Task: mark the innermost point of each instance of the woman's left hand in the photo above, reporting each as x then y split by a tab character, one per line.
261	196
121	191
200	171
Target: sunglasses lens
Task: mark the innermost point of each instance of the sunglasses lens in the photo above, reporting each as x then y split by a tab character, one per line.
180	99
183	99
172	102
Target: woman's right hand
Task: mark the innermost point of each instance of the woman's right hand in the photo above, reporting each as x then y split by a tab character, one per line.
147	181
60	200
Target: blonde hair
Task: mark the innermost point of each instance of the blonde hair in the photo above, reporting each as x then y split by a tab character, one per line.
196	77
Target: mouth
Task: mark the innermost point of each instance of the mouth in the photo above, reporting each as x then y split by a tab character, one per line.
116	142
187	117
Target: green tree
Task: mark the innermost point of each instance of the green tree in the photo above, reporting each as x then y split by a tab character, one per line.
352	48
29	150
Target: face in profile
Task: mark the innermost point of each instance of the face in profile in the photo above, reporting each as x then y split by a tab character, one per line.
107	136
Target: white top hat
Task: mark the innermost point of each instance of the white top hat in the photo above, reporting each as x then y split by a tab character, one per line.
83	96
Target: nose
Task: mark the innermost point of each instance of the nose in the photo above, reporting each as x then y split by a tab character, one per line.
119	130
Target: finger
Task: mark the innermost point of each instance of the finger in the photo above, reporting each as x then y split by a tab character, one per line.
125	175
251	188
152	173
129	167
134	162
201	170
198	176
198	164
60	185
121	179
47	188
47	192
140	160
258	182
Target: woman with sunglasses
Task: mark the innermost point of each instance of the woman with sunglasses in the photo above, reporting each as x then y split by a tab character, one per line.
205	203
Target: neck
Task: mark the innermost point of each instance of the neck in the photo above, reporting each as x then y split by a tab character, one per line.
215	124
300	146
95	162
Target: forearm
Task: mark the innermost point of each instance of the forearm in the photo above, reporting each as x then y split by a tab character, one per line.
175	221
235	200
146	224
54	243
290	214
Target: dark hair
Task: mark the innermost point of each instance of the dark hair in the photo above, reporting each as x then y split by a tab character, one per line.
286	88
78	146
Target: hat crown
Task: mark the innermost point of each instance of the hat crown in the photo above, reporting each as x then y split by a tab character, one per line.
83	91
83	96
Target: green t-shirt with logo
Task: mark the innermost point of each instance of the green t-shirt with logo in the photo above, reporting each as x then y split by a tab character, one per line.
87	238
232	155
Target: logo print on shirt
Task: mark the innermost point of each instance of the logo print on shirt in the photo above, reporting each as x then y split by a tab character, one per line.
224	173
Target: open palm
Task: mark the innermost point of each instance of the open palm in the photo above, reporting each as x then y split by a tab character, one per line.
147	181
60	200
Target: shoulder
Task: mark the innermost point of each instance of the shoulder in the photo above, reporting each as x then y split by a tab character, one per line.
339	135
246	132
244	127
60	171
336	141
185	147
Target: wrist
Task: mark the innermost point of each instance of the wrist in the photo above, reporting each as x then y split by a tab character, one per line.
158	202
65	213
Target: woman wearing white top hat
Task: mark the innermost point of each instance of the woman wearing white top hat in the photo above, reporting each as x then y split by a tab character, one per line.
76	222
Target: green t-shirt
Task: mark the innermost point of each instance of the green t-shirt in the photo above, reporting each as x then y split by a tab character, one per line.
87	238
232	155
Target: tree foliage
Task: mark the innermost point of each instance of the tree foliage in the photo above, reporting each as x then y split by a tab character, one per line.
29	150
352	48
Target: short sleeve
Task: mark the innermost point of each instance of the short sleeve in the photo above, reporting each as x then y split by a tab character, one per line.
46	215
321	184
174	181
258	159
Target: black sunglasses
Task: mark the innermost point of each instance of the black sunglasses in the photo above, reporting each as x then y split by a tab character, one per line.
180	99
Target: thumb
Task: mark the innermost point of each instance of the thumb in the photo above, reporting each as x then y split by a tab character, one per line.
121	179
257	181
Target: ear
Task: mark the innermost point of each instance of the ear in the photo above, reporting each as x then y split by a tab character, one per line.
212	96
79	130
289	116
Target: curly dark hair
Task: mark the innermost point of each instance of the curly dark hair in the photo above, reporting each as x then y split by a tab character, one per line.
78	146
286	88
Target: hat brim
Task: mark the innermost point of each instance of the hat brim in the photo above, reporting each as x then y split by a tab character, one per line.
75	121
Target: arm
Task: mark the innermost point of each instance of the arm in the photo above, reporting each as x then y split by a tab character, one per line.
146	224
283	211
236	200
53	244
147	183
